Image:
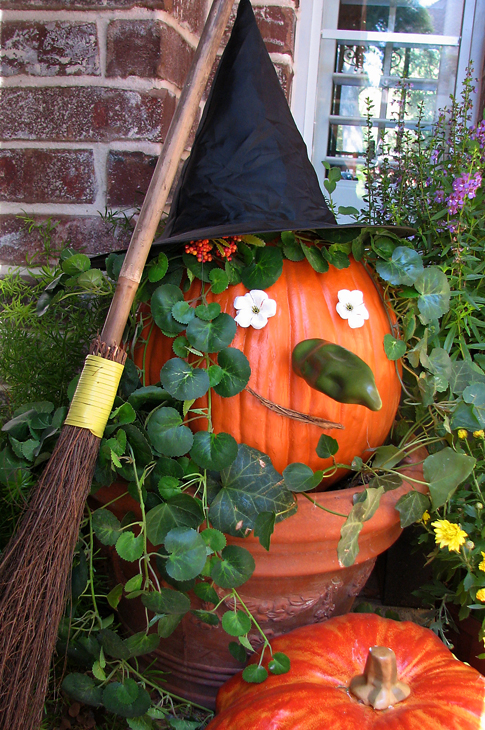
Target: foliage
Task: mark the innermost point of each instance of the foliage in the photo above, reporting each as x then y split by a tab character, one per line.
431	178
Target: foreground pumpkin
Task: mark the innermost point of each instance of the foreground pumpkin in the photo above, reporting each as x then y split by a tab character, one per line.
306	308
444	694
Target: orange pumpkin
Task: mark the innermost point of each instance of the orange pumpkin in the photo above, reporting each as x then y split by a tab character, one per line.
306	308
444	693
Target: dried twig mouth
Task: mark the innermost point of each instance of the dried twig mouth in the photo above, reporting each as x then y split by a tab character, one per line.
295	415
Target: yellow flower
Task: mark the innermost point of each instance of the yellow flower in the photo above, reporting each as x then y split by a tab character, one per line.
462	433
481	564
479	434
426	516
448	534
481	595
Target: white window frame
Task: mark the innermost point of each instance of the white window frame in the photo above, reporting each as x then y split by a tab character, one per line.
309	33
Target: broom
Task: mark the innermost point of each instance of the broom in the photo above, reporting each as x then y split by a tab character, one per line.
37	562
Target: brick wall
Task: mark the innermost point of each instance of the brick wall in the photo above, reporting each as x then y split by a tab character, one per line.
87	92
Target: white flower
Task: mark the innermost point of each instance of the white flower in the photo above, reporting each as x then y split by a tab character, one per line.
254	309
352	308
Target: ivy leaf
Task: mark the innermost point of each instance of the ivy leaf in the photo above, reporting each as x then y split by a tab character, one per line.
219	281
434	288
475	395
206	593
362	511
187	553
212	336
300	478
206	617
403	267
106	526
113	644
411	507
168	434
162	301
208	312
158	268
142	643
264	528
215	374
168	624
440	366
264	270
249	486
326	447
236	623
444	471
166	601
83	689
129	547
183	381
234	568
464	373
213	451
76	264
387	456
116	694
315	258
255	674
235	372
152	394
464	417
279	663
238	652
394	348
182	312
180	511
291	247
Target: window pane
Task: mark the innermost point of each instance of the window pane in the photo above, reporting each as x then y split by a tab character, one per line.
439	17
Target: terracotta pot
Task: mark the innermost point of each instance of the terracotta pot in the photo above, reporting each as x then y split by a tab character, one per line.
298	582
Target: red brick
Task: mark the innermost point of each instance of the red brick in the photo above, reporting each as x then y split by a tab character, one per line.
48	49
175	56
84	4
129	175
84	114
191	13
47	176
91	235
277	26
133	48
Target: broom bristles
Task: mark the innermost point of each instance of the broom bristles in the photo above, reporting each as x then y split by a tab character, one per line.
35	572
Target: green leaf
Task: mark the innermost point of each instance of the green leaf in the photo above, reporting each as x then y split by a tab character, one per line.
219	281
315	258
394	348
291	247
403	267
208	312
235	372
182	312
123	414
236	623
264	528
206	593
76	264
326	447
152	394
411	507
444	471
168	434
279	663
178	724
180	511
206	617
113	644
464	373
168	624
238	652
213	451
162	301
234	568
387	456
139	723
187	553
464	417
106	526
114	596
115	696
142	643
255	674
130	547
141	450
83	689
166	601
134	584
211	336
158	268
114	262
336	257
168	487
475	395
362	511
433	286
264	270
440	366
249	486
300	478
180	345
183	381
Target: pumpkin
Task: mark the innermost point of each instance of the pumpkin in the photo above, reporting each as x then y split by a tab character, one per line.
444	694
306	308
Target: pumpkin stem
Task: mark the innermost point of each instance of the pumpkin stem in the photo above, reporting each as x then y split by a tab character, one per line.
379	685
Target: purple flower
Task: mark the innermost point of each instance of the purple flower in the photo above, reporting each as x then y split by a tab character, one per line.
478	133
439	196
434	156
464	186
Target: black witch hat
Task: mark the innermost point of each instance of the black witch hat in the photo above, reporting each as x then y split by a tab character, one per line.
248	171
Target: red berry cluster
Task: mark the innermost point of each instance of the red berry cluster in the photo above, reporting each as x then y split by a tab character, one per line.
201	249
229	248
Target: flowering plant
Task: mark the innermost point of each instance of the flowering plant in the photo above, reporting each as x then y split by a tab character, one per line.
432	179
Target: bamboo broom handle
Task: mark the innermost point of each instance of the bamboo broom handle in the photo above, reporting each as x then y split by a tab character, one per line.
165	171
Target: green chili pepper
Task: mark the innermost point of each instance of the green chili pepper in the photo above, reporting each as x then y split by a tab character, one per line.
337	372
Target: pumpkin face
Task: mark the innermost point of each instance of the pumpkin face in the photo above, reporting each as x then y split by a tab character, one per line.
444	693
306	308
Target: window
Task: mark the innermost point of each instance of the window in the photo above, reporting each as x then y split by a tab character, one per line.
349	51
